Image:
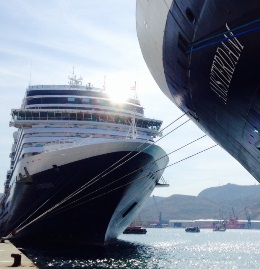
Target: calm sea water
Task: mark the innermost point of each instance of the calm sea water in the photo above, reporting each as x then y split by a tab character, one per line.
160	248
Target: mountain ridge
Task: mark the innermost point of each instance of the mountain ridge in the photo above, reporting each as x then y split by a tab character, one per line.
211	203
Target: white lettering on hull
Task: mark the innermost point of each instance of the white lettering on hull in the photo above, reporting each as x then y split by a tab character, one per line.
224	64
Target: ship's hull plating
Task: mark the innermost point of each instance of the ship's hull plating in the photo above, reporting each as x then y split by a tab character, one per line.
205	56
96	215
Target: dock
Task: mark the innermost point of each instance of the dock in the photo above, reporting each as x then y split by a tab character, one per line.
10	256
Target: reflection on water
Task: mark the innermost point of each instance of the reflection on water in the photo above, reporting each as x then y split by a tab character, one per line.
159	248
122	255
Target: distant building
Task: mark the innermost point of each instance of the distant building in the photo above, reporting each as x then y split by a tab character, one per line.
209	223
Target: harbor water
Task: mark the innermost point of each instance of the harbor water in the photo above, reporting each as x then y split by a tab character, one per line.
159	248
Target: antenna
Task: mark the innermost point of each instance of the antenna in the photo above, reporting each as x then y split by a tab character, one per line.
30	73
104	86
133	121
74	81
133	88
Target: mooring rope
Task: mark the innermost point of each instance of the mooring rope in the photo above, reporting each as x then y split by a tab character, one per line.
136	170
102	175
64	209
123	185
61	181
139	146
79	190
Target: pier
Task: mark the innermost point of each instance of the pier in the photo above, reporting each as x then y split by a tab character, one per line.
10	256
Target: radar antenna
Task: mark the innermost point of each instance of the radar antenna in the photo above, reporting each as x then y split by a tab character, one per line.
74	81
30	74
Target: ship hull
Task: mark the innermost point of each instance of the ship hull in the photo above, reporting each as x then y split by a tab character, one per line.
95	215
205	57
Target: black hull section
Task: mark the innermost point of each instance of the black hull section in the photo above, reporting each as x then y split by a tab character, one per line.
210	64
97	215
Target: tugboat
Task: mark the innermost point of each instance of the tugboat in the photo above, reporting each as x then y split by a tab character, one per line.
219	228
135	230
192	229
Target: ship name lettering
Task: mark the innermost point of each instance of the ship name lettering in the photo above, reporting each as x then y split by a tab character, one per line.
215	77
227	58
224	64
234	41
221	69
219	90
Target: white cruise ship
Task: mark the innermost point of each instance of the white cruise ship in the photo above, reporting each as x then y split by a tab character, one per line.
81	165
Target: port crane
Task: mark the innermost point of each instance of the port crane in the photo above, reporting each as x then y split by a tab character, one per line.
159	224
234	215
248	218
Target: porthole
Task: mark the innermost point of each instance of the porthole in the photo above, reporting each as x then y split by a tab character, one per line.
190	15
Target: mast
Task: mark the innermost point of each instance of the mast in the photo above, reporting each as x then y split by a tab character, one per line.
74	81
133	123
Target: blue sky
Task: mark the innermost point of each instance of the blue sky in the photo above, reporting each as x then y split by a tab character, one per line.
41	41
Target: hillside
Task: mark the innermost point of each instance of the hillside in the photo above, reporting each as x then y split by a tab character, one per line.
178	207
231	192
211	203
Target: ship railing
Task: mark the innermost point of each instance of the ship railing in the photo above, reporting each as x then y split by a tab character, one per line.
60	144
2	199
24	116
63	87
66	143
69	143
2	202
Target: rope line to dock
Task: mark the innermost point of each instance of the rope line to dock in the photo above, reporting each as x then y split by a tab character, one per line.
96	177
190	156
111	169
107	171
123	185
90	183
56	209
100	175
59	210
136	170
41	198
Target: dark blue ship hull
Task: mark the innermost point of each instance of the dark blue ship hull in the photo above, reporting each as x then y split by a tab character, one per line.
205	56
96	215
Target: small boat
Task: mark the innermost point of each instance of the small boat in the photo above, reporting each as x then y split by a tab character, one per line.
192	229
219	228
135	230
